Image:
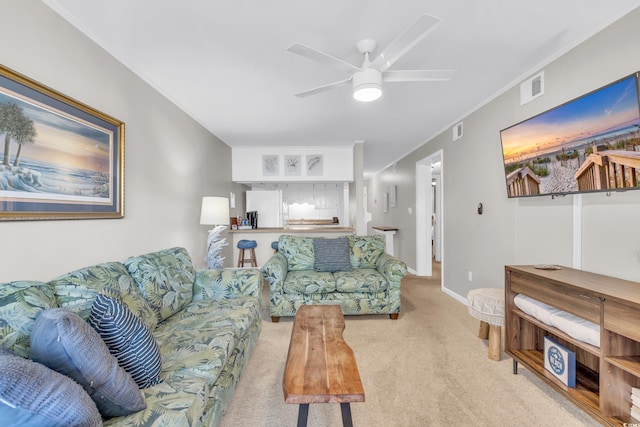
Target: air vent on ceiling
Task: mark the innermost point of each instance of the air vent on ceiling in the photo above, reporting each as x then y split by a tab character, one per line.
532	88
457	131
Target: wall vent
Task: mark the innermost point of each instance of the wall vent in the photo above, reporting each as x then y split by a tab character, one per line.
532	88
457	131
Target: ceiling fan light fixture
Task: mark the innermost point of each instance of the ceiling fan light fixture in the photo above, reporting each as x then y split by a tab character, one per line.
367	85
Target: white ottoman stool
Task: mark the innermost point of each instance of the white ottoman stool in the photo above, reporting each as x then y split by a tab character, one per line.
487	305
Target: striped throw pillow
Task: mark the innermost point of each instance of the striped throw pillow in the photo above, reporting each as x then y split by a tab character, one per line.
128	339
332	254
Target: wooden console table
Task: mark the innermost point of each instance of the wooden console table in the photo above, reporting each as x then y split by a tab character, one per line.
321	367
605	374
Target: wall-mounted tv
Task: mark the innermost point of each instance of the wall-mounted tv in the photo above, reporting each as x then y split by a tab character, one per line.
589	144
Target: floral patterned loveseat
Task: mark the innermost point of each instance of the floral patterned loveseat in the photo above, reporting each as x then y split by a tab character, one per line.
363	280
205	324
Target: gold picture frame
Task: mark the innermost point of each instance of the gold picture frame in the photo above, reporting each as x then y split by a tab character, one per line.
61	160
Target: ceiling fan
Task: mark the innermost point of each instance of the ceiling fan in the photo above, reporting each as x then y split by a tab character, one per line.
367	79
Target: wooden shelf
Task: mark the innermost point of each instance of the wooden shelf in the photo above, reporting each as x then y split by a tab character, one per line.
582	395
630	364
586	390
557	332
604	375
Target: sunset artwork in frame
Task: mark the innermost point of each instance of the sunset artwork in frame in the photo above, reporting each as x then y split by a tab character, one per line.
61	159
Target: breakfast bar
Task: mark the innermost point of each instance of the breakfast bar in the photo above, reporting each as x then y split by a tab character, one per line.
264	237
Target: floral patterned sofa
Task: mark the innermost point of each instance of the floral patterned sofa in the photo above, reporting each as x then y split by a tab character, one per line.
358	275
205	324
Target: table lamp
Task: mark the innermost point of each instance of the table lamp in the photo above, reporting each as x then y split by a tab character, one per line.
215	211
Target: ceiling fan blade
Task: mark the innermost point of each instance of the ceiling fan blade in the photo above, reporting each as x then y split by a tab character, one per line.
418	75
316	55
323	88
405	41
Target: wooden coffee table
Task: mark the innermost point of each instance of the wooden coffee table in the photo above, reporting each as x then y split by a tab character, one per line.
321	367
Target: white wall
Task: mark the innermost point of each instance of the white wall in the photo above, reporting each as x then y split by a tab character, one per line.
523	231
170	160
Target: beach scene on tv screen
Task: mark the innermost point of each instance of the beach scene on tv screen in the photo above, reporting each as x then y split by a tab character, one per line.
589	144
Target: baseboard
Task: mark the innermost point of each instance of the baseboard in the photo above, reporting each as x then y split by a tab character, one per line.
459	298
454	295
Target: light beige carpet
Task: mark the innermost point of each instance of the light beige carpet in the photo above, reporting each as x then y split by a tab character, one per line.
428	368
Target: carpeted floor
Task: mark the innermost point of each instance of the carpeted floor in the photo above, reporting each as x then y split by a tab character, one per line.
428	368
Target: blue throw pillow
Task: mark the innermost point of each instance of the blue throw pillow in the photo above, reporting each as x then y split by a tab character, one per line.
32	395
62	341
128	340
332	254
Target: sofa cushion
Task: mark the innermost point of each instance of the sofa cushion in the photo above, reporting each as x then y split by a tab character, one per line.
239	313
309	282
20	304
64	342
200	353
332	254
180	402
77	290
360	280
298	251
165	278
128	339
33	395
365	250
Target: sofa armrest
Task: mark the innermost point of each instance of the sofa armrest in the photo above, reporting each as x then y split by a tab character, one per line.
227	283
275	271
391	268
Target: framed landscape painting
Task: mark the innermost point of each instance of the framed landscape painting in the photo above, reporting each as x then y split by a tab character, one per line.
61	159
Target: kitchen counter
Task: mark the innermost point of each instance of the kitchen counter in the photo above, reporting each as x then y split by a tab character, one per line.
264	237
298	229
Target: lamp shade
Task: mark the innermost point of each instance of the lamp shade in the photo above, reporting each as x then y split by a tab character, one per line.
367	85
215	211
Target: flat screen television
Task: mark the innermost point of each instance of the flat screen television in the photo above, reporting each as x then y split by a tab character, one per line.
589	144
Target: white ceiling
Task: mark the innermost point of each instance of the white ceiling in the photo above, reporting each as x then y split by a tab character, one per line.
225	63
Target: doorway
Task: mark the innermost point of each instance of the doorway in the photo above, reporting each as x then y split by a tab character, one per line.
429	203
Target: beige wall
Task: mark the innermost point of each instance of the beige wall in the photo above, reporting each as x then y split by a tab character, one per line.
170	160
526	231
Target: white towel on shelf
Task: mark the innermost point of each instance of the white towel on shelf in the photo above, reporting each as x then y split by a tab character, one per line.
576	327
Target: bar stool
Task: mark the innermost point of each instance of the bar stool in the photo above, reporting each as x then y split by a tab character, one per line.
274	246
247	244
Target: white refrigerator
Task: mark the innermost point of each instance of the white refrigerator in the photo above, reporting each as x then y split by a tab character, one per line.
268	203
